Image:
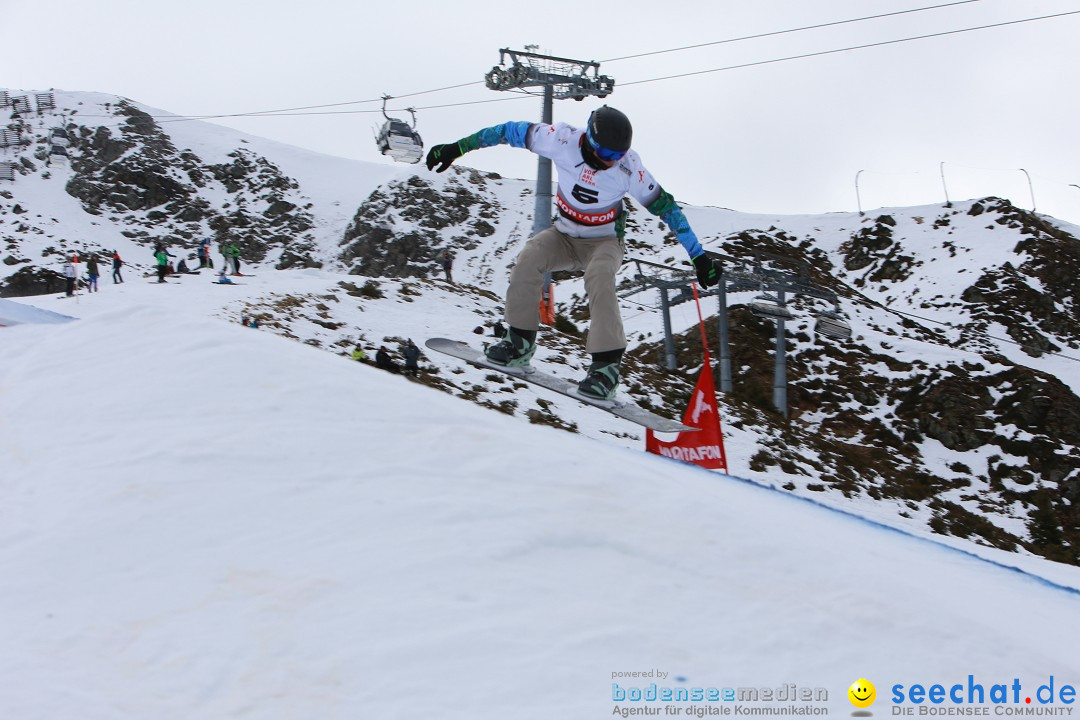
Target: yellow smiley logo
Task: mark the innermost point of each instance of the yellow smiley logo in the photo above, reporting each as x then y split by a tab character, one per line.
862	693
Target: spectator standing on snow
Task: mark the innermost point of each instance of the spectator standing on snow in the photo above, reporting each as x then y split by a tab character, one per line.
446	259
70	275
412	359
162	258
92	273
117	263
232	255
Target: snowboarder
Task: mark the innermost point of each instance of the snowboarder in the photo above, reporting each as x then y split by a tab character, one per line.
359	355
596	170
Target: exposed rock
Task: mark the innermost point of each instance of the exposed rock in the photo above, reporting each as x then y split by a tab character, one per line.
31	281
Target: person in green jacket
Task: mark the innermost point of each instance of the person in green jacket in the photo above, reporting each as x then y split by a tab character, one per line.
232	252
162	263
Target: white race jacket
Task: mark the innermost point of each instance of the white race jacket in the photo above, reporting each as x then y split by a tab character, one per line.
588	200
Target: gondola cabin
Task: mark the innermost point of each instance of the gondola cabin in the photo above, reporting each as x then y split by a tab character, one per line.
398	139
400	142
832	325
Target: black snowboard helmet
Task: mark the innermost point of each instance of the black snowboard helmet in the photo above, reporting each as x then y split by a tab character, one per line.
607	136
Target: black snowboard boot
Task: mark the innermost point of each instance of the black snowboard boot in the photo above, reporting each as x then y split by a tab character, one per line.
603	378
514	350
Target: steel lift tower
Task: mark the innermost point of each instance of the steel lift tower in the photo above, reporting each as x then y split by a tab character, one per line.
560	79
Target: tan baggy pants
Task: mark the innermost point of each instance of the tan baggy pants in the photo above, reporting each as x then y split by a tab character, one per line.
551	250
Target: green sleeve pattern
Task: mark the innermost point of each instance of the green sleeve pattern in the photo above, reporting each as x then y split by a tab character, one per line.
508	133
665	207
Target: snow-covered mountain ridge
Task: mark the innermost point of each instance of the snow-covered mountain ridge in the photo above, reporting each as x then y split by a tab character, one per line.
959	415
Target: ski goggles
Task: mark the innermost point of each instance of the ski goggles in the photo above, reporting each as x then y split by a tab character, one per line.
602	152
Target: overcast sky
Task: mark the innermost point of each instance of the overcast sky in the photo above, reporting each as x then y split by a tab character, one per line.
785	137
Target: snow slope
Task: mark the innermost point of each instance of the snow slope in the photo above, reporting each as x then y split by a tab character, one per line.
15	313
389	220
200	520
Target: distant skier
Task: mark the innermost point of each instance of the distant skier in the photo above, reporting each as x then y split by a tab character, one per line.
597	169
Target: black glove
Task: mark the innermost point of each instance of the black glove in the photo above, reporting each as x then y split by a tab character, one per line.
445	154
708	273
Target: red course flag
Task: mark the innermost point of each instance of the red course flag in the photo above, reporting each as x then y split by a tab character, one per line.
704	447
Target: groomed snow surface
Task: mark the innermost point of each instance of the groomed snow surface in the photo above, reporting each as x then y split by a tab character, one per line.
202	520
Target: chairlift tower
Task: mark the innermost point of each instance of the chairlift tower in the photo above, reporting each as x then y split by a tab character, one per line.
780	284
743	275
666	280
561	79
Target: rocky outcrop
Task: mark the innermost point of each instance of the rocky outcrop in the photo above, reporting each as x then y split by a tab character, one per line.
399	229
136	174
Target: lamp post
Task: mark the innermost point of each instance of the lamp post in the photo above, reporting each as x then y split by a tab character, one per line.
941	168
858	200
1031	188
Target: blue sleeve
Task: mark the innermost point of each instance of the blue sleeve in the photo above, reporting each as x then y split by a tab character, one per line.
666	209
508	133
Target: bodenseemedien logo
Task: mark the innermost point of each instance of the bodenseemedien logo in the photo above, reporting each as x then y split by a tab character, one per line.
686	699
862	695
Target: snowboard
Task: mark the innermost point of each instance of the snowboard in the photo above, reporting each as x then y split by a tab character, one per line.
626	411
